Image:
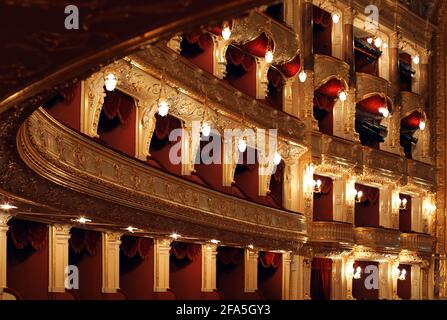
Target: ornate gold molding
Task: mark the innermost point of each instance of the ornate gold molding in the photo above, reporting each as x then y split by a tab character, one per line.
417	242
75	162
326	67
332	233
378	239
368	85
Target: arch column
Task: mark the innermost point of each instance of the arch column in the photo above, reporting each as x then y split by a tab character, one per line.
4	218
58	256
209	253
111	262
161	264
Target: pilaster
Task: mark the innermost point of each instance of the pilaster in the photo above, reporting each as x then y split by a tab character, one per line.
162	248
111	262
251	270
58	256
209	253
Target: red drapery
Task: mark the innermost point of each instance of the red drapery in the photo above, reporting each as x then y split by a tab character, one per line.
117	103
373	103
275	77
229	255
164	125
85	239
370	194
27	232
269	259
182	250
239	58
332	88
131	246
259	46
217	28
203	40
413	120
326	184
321	271
321	17
405	215
290	68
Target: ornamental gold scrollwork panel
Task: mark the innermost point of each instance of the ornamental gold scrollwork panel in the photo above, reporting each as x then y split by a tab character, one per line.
368	85
409	103
88	167
417	242
326	67
381	239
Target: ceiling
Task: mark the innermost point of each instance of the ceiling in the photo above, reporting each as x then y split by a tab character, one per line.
424	8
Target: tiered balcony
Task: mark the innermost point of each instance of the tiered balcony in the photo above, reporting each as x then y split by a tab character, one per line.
332	234
410	102
368	85
384	163
326	67
70	159
417	242
420	172
285	39
379	239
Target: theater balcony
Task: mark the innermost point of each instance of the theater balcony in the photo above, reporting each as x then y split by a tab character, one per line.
80	163
332	235
378	239
327	67
368	85
420	243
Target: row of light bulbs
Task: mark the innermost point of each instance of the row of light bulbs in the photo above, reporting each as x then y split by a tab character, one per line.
400	274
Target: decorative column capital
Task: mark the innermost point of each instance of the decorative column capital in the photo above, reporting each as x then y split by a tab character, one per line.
349	14
425	56
4	218
394	40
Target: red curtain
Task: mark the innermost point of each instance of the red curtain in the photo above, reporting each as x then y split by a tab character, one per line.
373	103
132	246
413	120
203	40
404	286
270	259
85	239
290	68
321	17
239	58
405	215
229	255
259	46
320	288
27	232
370	194
117	103
323	201
182	250
164	125
367	211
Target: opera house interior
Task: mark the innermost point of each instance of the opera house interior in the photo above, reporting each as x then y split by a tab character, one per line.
118	180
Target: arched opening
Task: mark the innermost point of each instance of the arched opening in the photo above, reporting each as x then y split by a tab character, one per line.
367	207
270	275
117	121
322	31
405	215
323	200
325	98
366	287
198	47
406	72
409	125
320	279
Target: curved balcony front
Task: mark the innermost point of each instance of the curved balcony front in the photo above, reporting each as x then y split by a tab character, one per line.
327	67
76	162
378	239
368	85
417	242
332	235
410	102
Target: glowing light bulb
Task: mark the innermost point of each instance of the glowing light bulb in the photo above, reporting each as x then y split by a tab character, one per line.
422	124
269	56
242	145
82	220
7	206
342	96
403	274
385	45
214	241
163	107
384	111
369	40
175	235
318	183
359	195
226	33
206	129
250	246
378	42
277	158
302	76
404	201
335	18
110	82
416	59
131	229
358	273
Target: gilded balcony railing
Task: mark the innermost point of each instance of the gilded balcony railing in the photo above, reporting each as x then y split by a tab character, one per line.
421	172
332	232
67	158
418	242
410	102
387	240
326	67
286	41
367	85
386	162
